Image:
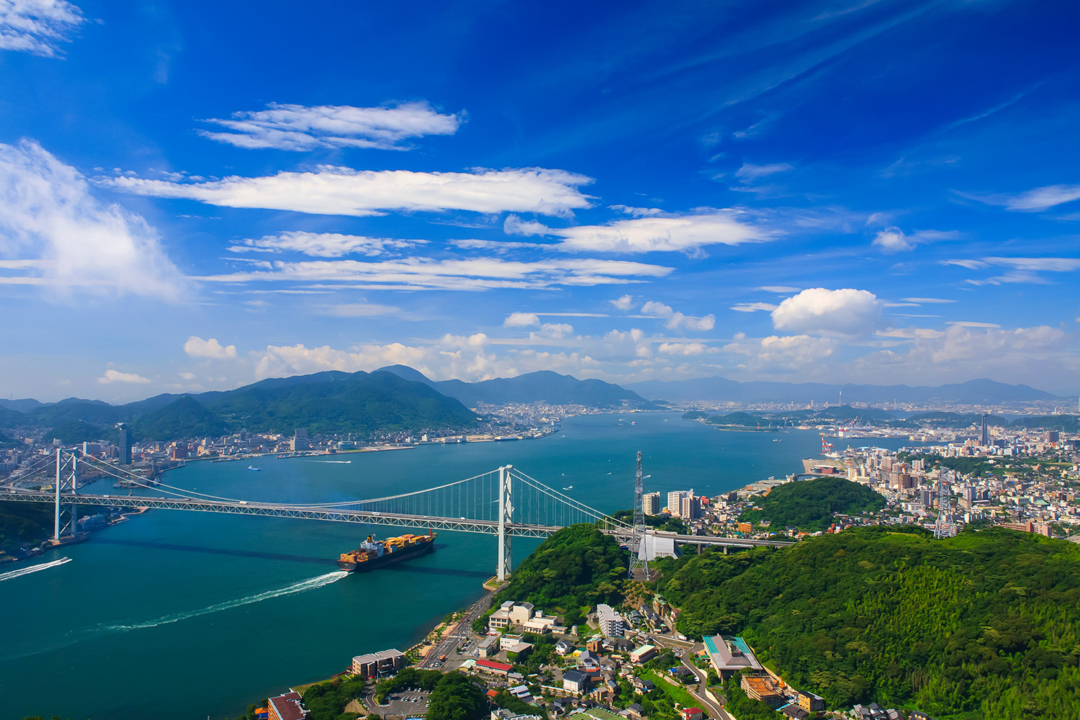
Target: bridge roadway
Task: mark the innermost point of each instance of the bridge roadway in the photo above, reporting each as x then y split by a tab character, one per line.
335	514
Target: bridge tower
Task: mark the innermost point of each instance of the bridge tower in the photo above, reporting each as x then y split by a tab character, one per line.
66	518
506	517
638	536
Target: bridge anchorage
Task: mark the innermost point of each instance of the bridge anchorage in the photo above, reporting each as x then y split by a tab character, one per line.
504	502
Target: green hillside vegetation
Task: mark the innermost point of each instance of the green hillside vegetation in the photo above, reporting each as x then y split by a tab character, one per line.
23	522
327	700
457	697
983	625
575	568
78	431
328	402
742	419
182	418
359	403
94	412
811	504
1064	423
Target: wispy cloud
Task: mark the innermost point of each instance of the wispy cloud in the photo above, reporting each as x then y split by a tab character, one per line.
37	26
296	127
658	233
749	173
1042	198
465	274
1022	270
73	241
343	191
323	244
753	307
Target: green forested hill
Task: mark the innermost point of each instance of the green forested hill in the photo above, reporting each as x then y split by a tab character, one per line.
77	431
983	625
576	567
341	403
810	504
184	417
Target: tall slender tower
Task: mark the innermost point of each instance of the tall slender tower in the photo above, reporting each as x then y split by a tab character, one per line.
636	561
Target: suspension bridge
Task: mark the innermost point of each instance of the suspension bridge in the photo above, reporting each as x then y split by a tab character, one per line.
504	502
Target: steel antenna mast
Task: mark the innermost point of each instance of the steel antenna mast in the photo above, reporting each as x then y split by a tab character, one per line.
637	562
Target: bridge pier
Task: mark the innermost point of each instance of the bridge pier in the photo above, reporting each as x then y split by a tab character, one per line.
506	513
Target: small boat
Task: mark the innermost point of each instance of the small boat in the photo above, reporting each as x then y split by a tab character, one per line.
569	488
253	468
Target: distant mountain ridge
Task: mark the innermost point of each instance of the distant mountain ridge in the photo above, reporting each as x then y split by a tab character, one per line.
328	402
542	386
723	389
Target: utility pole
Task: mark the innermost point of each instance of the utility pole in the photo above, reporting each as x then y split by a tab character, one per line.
638	536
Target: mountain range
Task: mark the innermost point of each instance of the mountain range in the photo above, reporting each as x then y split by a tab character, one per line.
390	399
721	389
398	397
543	386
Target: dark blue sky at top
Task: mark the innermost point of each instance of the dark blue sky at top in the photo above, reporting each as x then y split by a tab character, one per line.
824	124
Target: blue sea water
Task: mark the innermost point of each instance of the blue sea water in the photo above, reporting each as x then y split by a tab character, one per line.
177	615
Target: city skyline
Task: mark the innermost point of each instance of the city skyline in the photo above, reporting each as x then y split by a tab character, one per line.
195	198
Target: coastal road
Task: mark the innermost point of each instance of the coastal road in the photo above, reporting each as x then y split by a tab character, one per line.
449	644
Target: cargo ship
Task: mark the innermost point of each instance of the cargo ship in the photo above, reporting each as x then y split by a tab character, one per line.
374	553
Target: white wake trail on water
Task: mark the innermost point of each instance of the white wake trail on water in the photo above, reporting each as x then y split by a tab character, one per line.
302	586
33	569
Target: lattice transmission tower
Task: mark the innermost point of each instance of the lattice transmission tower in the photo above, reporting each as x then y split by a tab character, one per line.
637	562
943	528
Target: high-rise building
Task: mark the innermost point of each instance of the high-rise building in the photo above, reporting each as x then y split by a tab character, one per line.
674	501
689	506
1051	436
300	439
650	503
984	438
123	443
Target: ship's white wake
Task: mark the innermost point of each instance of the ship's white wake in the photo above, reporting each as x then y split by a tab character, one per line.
33	569
302	586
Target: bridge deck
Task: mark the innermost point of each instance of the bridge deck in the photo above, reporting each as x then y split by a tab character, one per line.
335	514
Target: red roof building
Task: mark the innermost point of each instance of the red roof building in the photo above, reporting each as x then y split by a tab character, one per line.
289	706
494	667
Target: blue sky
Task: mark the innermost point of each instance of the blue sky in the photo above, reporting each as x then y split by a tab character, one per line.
197	195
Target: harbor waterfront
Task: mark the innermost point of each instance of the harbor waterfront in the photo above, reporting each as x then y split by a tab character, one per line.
180	615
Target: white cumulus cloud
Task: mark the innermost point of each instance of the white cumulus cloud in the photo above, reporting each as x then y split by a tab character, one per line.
199	348
685	349
66	238
520	319
344	191
296	127
781	353
626	302
115	376
676	320
894	240
832	312
37	26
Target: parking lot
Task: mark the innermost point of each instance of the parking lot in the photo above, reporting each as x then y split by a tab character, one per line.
410	703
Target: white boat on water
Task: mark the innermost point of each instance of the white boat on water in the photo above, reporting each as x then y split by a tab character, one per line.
253	468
